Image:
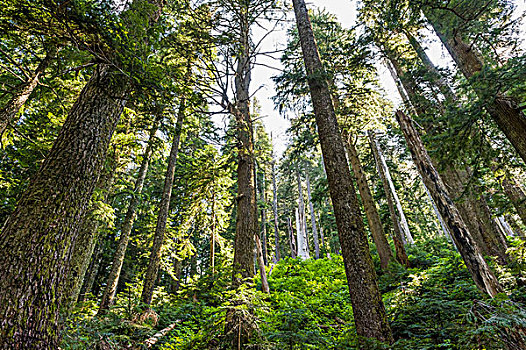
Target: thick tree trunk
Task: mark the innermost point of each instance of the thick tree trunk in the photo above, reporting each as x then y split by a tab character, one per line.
292	241
246	219
150	277
303	245
369	312
397	236
504	110
275	211
44	228
313	219
127	225
375	224
21	95
468	248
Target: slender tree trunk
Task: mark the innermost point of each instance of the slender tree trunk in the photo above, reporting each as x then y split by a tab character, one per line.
504	110
313	219
122	245
264	222
375	224
468	248
515	226
150	277
292	241
369	312
303	246
261	264
22	93
92	272
397	236
437	213
213	236
275	211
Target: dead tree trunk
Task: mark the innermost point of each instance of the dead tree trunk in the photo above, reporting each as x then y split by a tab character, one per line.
275	211
468	248
303	246
313	219
397	236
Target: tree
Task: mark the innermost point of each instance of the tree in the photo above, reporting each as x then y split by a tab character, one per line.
368	309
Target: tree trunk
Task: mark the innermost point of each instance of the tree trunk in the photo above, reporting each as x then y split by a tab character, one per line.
397	236
437	213
150	277
368	309
515	194
375	224
292	241
275	211
303	245
263	221
261	264
22	93
474	210
246	218
468	248
313	219
44	228
504	110
92	272
122	245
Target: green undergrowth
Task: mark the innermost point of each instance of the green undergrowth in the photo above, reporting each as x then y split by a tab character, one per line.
433	305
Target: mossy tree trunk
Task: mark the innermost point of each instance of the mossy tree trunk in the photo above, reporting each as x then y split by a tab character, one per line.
369	312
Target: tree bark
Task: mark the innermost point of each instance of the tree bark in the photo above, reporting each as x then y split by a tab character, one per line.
313	219
261	264
303	245
474	210
92	272
150	277
368	309
127	225
275	211
246	218
468	248
292	241
44	228
397	236
263	221
504	110
22	93
515	193
375	224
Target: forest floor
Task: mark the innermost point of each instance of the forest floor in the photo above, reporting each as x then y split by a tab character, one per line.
433	305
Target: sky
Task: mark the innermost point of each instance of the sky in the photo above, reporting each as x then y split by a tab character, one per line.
345	10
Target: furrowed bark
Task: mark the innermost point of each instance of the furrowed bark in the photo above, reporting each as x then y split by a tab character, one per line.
368	309
39	237
375	224
397	236
150	277
122	245
468	248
